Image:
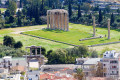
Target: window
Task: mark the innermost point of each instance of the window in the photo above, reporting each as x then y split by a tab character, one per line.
17	64
114	61
104	74
112	72
114	67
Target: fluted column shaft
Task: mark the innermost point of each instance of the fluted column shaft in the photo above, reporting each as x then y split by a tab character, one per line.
94	26
108	28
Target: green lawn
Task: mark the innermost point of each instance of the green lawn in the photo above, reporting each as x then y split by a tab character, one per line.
77	31
27	40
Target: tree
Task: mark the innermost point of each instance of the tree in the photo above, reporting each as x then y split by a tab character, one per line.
79	74
57	57
94	54
8	41
90	16
48	53
79	12
0	2
70	8
100	16
42	8
7	13
18	44
107	8
19	22
19	13
49	3
12	7
98	70
82	51
20	3
11	19
118	11
86	7
112	20
2	22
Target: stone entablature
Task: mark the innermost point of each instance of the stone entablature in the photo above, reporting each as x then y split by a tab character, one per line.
58	19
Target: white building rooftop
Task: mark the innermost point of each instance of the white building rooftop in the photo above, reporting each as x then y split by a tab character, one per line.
92	61
7	57
111	54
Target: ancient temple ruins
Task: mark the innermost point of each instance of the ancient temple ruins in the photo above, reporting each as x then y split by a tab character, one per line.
58	19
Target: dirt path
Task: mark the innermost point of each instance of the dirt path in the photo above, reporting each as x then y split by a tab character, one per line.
18	32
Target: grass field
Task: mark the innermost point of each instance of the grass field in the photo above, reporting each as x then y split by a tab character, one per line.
77	31
28	41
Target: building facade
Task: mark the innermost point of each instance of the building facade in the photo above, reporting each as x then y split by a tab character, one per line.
111	64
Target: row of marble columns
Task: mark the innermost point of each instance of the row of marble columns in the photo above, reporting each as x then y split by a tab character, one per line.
57	20
94	25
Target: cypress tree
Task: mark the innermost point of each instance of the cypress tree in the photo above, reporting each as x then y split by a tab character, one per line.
79	12
53	7
90	16
0	1
112	20
42	8
100	16
70	8
49	3
19	23
20	3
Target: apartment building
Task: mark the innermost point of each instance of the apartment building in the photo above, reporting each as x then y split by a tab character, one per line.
111	64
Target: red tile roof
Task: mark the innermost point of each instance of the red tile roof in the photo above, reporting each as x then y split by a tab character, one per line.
53	77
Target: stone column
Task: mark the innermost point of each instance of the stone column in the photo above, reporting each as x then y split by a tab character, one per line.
94	26
55	20
48	22
53	14
30	51
108	28
61	21
35	51
67	22
58	20
64	22
65	28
